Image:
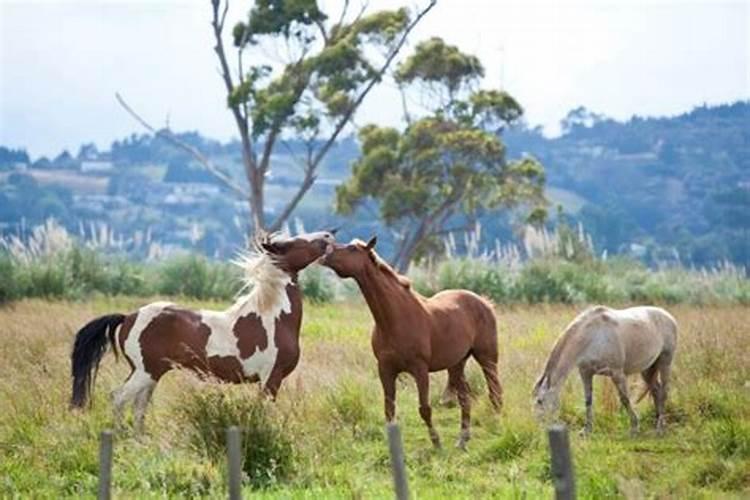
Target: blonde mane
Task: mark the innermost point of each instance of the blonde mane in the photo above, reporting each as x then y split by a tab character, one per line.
263	283
383	266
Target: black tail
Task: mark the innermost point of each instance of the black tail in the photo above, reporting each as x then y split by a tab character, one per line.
89	347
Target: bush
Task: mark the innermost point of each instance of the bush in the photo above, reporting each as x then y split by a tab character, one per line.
315	285
552	280
268	454
351	407
197	277
731	438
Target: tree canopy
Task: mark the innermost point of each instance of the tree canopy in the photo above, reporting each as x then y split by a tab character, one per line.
448	166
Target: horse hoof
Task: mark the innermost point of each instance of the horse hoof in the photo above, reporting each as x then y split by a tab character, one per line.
585	432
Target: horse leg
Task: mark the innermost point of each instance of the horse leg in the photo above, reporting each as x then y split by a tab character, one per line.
127	392
488	362
422	375
273	384
665	368
457	379
649	376
449	396
618	377
587	377
388	381
141	403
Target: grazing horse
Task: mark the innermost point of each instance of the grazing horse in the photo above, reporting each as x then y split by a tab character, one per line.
420	335
614	343
255	340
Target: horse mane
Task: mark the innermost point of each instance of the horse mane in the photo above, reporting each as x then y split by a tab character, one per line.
263	281
566	338
384	267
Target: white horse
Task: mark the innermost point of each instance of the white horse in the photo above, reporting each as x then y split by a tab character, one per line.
614	343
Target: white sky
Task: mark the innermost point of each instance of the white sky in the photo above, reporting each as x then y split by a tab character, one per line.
62	61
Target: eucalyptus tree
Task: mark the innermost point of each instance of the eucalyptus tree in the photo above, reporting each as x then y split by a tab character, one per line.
320	70
447	167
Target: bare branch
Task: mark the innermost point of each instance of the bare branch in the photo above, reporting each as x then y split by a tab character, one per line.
343	12
307	183
315	161
375	79
168	136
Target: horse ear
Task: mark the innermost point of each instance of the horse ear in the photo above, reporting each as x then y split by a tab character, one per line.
272	248
371	244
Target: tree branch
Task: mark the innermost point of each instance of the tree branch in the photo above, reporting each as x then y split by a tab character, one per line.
307	183
313	165
168	136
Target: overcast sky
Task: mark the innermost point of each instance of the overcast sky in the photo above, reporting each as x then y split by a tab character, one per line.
62	61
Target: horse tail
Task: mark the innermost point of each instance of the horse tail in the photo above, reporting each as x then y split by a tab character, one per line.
649	384
88	349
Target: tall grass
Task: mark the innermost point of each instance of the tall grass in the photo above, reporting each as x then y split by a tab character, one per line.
557	267
267	451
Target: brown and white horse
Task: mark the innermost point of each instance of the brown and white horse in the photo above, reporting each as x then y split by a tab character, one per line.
255	340
420	335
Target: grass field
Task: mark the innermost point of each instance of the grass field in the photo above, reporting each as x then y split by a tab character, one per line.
331	409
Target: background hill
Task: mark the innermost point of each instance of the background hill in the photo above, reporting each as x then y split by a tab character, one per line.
675	188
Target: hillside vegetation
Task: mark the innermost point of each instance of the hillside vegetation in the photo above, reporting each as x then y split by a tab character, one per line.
659	189
327	425
562	269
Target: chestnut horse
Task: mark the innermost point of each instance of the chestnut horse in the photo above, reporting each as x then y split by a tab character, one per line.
420	335
255	340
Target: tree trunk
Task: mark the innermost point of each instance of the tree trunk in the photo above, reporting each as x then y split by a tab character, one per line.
409	245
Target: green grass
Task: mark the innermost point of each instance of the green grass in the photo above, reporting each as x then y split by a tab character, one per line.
328	418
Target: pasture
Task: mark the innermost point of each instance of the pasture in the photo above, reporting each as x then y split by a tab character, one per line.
330	409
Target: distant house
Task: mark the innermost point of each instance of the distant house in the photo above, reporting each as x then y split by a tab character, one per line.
191	193
96	166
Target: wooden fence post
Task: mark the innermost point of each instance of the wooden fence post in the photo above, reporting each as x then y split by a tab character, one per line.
562	463
398	468
105	465
235	462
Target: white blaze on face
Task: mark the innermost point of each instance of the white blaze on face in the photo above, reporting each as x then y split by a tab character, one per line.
146	314
319	235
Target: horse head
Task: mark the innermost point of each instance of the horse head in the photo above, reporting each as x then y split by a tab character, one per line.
295	253
349	260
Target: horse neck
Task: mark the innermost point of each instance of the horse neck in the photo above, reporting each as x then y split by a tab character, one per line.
563	357
386	297
247	304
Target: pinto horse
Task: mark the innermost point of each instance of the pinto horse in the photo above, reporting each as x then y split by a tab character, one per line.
254	340
420	335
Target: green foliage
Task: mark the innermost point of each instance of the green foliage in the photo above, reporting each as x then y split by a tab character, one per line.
268	452
448	165
195	276
336	66
730	438
351	407
558	280
434	61
315	285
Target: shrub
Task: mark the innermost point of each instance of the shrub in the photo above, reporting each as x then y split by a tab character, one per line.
268	454
731	438
316	285
511	444
197	277
8	286
351	406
